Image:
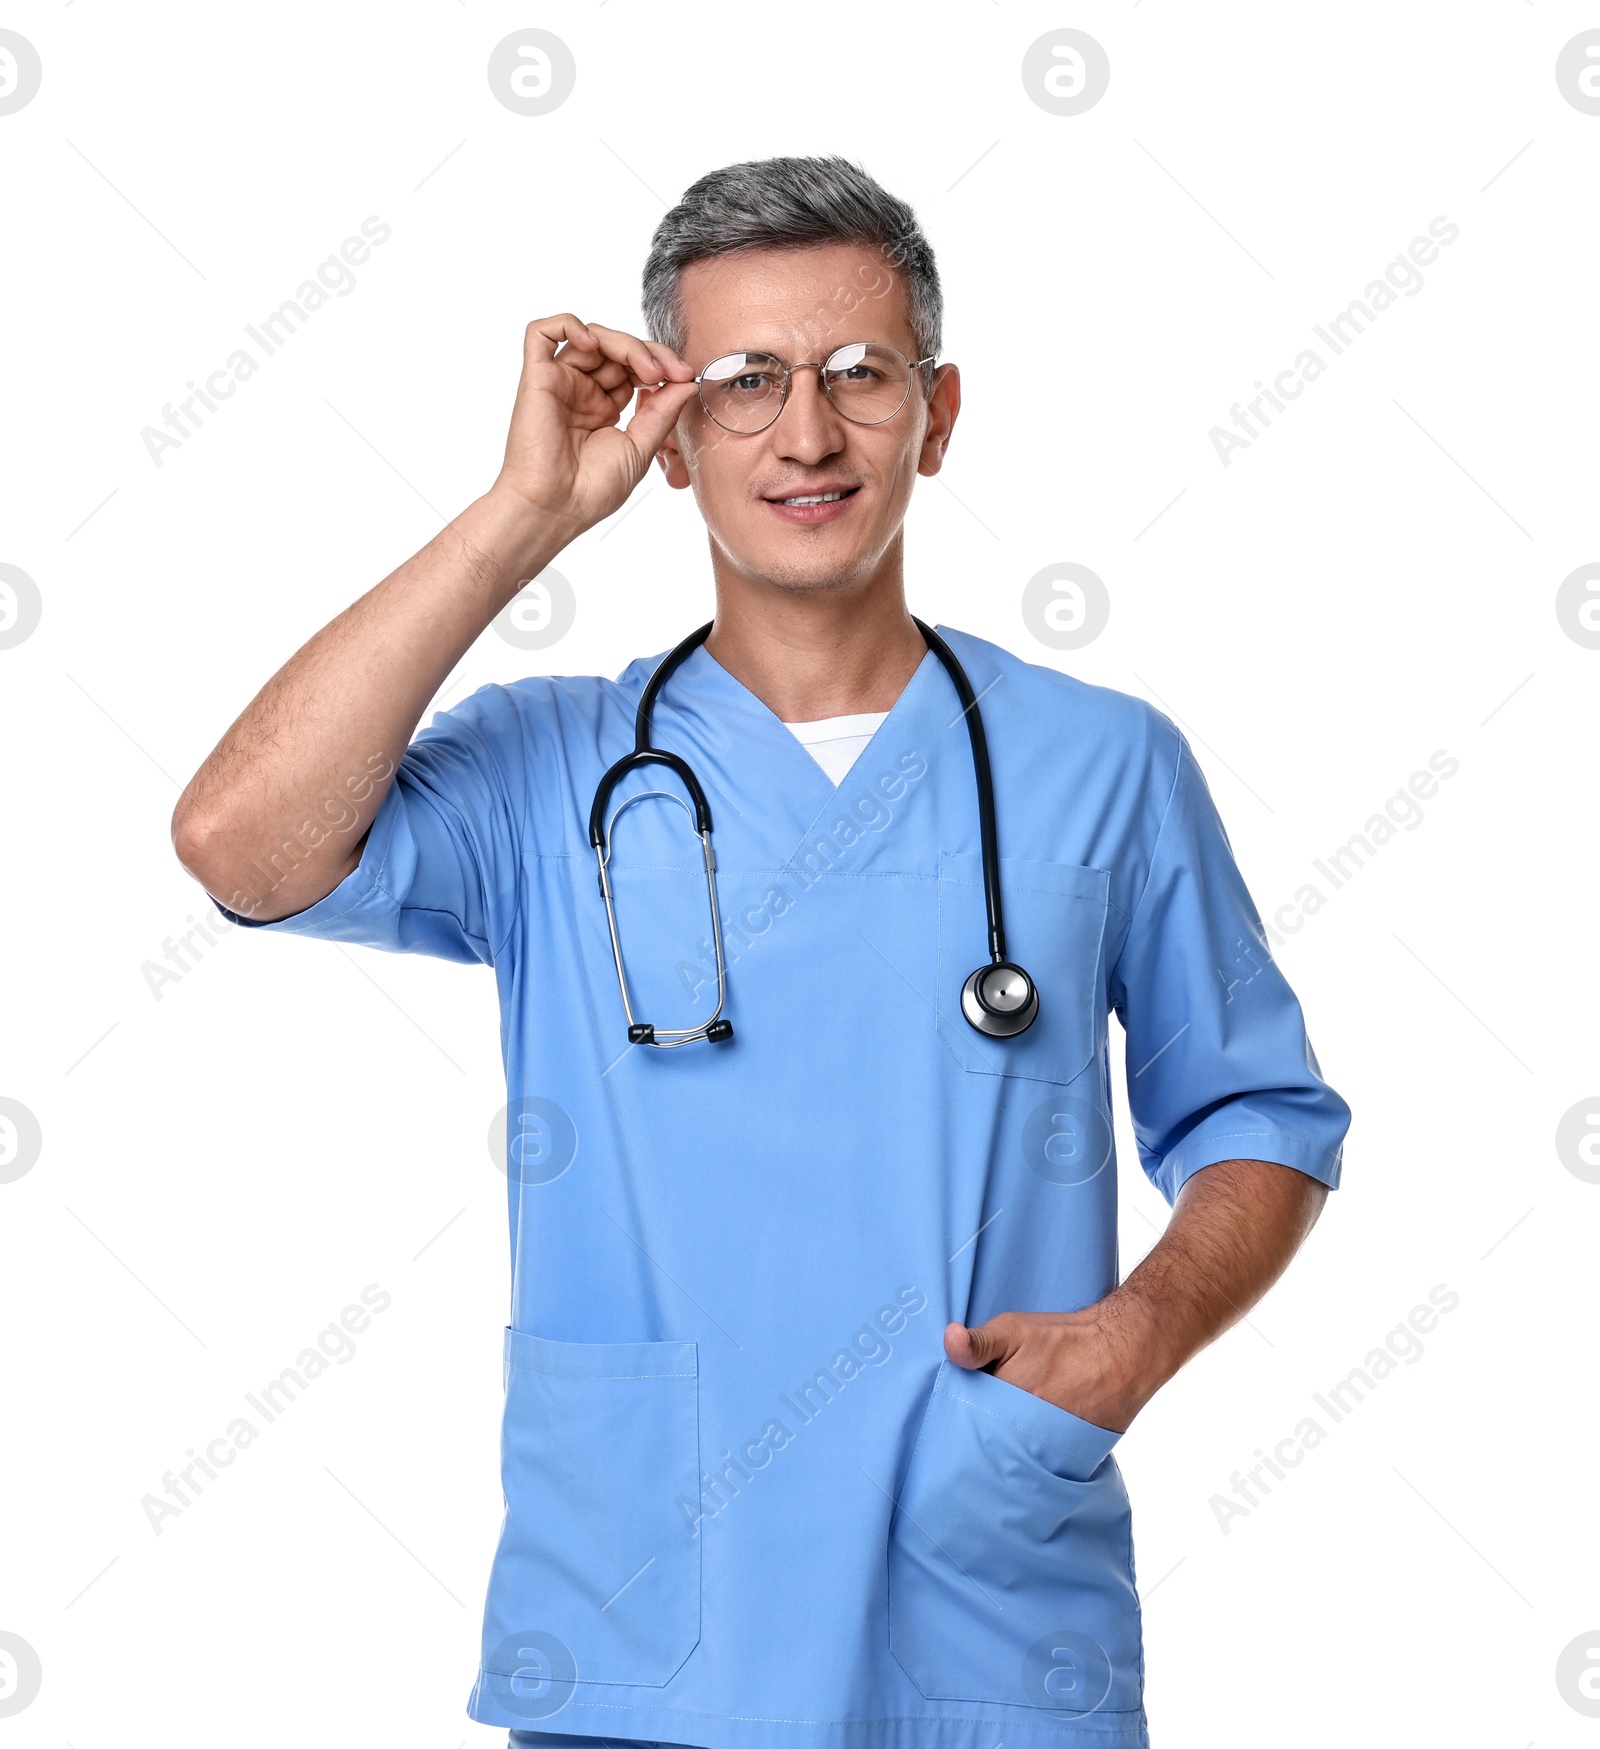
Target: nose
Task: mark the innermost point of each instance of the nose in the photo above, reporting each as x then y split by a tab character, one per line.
809	428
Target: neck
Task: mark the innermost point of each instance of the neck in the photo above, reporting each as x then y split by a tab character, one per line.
808	654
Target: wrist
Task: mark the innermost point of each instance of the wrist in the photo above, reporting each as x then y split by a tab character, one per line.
513	538
1141	1357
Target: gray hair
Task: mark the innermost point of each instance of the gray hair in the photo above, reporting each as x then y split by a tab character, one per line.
790	203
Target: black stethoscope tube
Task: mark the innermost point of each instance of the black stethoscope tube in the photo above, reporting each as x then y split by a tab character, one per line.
988	838
644	754
998	999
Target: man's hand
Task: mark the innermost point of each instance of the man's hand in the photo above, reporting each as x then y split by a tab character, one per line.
1233	1230
565	458
276	817
1070	1359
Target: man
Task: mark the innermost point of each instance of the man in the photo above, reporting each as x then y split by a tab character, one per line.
817	1353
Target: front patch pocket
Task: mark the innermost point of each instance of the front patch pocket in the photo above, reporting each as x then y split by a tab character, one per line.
599	1444
1055	922
1010	1556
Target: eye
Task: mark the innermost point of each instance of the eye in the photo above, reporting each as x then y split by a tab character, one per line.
743	376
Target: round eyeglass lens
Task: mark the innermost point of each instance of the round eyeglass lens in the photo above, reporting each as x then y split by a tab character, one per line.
743	391
867	382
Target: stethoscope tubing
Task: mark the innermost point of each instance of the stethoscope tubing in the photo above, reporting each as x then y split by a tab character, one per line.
700	810
988	836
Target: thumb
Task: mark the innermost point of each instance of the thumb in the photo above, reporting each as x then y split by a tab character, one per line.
654	417
980	1345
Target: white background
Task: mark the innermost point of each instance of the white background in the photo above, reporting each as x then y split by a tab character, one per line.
223	1169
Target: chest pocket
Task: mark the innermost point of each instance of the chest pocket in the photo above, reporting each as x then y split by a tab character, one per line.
1055	921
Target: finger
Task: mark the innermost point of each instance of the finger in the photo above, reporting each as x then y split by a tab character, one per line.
541	337
655	417
679	370
617	382
610	375
979	1345
651	364
958	1346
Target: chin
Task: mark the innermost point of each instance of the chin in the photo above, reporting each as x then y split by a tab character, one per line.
813	579
800	567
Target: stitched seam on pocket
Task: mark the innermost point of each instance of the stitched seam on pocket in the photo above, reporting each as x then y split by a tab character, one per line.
1023	1065
578	1378
626	1658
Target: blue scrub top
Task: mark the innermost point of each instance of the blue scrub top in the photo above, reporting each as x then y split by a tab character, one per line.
749	1503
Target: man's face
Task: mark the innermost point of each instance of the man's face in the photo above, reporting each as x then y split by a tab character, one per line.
803	304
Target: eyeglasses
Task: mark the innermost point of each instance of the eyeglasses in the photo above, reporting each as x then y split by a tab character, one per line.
865	382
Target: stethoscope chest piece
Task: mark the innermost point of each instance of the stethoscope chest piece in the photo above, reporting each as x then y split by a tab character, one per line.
1000	1000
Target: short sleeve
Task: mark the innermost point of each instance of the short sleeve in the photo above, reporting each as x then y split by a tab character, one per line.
1219	1065
439	872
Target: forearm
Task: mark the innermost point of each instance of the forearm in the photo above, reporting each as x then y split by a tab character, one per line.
1233	1230
275	817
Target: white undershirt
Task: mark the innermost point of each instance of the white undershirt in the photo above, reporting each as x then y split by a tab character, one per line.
834	742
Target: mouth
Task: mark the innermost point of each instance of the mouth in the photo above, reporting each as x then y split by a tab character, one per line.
809	507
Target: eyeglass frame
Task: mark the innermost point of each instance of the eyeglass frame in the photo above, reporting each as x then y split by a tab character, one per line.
819	366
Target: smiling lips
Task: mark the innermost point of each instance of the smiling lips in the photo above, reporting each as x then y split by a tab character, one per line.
820	506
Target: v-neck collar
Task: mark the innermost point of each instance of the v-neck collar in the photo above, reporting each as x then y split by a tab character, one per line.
771	719
757	770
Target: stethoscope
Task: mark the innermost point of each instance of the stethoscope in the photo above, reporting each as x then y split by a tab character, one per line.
999	999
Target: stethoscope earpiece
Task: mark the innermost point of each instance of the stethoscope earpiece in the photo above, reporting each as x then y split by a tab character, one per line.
1000	1000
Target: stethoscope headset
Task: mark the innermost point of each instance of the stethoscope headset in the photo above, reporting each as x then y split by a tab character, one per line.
998	1000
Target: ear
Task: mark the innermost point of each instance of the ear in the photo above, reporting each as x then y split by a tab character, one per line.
944	404
670	456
